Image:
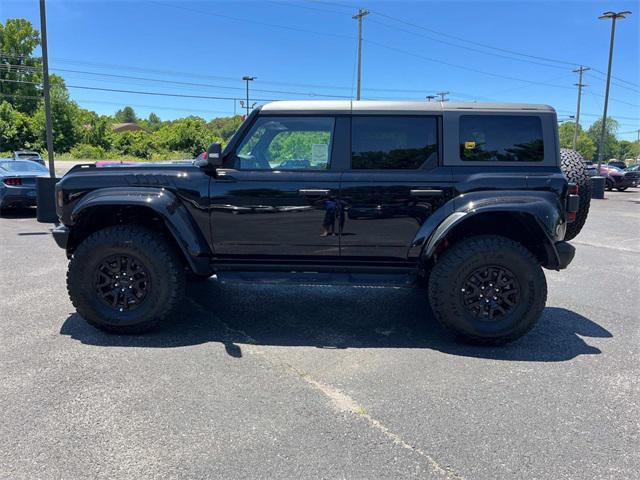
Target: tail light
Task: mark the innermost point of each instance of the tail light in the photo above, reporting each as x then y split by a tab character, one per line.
574	189
571	216
13	181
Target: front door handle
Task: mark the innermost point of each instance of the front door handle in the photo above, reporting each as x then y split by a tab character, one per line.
313	192
425	192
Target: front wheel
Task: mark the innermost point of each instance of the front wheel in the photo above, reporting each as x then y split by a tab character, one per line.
487	290
125	279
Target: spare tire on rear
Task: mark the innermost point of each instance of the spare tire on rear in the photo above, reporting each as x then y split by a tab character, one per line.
575	169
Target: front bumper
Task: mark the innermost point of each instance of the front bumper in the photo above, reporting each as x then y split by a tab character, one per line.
61	236
566	252
19	196
624	182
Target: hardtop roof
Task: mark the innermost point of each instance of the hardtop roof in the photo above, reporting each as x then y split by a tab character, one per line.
352	106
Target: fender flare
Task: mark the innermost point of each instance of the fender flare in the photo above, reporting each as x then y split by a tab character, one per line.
542	208
167	206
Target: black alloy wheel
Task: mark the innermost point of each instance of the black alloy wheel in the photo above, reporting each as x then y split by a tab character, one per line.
490	293
122	282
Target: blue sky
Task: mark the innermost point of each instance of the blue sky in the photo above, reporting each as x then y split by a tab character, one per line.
303	48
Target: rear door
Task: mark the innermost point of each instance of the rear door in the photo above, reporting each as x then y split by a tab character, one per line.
278	198
393	185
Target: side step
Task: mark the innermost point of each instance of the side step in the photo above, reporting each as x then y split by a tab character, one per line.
403	280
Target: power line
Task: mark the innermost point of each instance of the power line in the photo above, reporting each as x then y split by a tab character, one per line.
255	22
467	47
121	67
484	45
435	60
164	94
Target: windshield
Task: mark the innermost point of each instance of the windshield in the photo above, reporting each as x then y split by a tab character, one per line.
28	155
19	166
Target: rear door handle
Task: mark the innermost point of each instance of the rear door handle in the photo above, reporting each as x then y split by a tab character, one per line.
425	192
313	192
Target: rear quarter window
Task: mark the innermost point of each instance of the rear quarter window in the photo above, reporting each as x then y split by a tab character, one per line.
501	138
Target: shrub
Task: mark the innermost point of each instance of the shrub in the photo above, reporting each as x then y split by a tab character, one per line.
85	151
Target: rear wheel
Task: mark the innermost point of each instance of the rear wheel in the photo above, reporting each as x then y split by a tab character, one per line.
574	168
487	290
609	185
125	279
622	189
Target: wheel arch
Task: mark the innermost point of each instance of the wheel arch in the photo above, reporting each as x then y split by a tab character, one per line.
520	226
158	210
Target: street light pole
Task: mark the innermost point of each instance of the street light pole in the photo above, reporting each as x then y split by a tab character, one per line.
248	78
581	70
45	85
430	98
358	16
606	16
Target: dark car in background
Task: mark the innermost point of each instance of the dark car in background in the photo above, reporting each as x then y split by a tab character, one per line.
617	163
18	182
30	155
618	178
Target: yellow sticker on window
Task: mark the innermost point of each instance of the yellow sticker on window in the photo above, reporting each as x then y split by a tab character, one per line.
469	145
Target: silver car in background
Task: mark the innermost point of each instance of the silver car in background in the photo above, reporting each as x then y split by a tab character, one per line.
18	182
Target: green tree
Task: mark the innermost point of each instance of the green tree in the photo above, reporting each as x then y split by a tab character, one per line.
126	115
627	149
610	140
153	122
65	118
186	134
584	145
15	129
20	72
95	130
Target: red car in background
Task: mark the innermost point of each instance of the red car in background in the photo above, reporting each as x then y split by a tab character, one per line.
617	178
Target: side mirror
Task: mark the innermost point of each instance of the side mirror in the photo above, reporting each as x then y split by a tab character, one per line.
214	155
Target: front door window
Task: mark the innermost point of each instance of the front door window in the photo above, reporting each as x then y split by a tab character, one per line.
287	143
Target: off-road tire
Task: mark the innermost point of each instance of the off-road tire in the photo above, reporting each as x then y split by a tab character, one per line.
448	277
150	249
574	168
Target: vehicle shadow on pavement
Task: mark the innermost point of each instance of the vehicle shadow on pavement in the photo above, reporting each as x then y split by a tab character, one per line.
336	317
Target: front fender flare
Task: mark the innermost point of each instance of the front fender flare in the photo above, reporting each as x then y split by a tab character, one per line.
167	206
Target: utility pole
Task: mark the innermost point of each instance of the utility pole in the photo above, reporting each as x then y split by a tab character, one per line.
248	78
430	98
606	16
45	84
442	94
581	70
359	16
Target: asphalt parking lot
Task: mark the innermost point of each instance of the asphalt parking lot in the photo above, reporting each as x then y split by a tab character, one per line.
331	382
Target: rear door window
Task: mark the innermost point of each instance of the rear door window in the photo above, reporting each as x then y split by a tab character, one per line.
501	138
393	142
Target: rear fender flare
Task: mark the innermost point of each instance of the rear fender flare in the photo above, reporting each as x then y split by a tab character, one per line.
542	208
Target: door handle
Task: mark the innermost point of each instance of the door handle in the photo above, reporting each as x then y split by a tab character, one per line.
425	192
313	192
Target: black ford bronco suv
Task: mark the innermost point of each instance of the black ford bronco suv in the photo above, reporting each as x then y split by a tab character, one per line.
465	199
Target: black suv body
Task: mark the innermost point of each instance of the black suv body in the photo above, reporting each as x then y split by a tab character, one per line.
468	198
